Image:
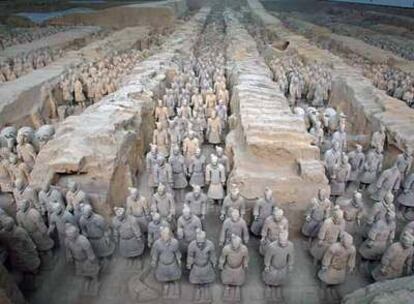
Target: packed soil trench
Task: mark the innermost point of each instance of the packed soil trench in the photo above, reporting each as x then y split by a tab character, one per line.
214	162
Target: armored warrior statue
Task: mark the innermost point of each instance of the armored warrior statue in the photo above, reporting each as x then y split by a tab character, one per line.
233	262
262	210
396	261
278	262
127	235
163	203
79	251
273	226
166	262
233	201
319	210
234	225
22	252
187	226
97	230
155	227
201	261
197	169
30	219
138	207
328	234
338	259
179	171
215	178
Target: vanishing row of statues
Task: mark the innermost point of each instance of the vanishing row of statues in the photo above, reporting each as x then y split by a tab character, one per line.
396	83
13	36
88	83
311	83
21	65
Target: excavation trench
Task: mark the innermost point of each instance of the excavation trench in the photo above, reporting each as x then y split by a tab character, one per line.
351	93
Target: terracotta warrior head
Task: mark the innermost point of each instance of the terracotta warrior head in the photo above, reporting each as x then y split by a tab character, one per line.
235	241
196	190
277	214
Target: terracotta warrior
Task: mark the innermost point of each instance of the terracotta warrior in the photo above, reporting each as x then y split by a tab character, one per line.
97	230
216	179
234	225
155	227
137	206
317	132
190	146
198	125
78	92
353	214
161	112
22	252
174	134
233	262
214	129
163	174
127	235
356	160
379	210
332	158
187	226
396	261
340	177
232	201
262	210
406	198
25	151
210	102
197	202
278	262
223	159
201	261
179	172
197	168
49	197
6	177
338	259
389	180
79	251
273	226
19	170
163	203
151	160
328	234
74	199
404	161
166	262
30	219
340	137
58	220
380	236
161	140
319	210
371	168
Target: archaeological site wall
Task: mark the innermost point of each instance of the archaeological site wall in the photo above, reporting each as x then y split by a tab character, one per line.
269	144
103	148
156	14
352	93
